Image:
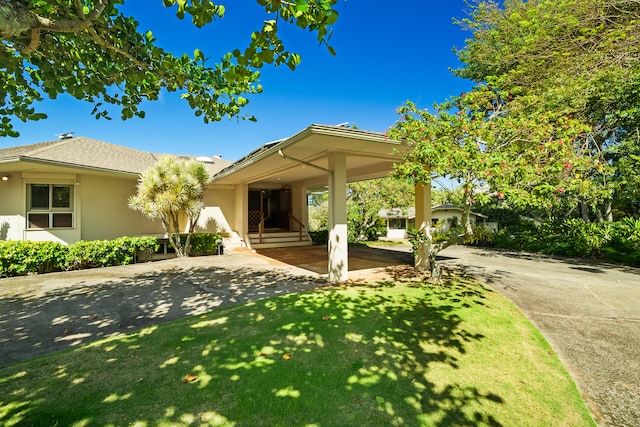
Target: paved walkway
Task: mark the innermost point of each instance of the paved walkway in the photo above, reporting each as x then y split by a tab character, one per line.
590	313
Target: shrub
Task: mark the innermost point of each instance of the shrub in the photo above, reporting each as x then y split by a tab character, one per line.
204	243
106	253
319	237
18	258
611	241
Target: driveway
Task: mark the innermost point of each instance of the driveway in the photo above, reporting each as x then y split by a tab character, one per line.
51	312
589	313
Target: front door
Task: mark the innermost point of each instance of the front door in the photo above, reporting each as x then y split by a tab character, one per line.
273	205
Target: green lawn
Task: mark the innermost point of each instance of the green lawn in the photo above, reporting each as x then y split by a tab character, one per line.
385	354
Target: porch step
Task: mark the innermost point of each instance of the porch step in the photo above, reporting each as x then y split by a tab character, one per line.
233	243
280	239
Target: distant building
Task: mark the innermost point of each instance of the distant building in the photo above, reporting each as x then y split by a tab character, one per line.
399	220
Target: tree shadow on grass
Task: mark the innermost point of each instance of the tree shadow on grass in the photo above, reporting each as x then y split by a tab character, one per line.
349	357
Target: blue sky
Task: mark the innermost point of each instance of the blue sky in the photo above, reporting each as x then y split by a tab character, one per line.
387	53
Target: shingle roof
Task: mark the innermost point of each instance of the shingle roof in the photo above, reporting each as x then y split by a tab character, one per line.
90	153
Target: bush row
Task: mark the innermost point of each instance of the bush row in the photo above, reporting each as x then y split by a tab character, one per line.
18	258
617	242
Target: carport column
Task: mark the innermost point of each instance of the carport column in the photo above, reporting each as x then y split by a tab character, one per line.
241	220
423	218
338	245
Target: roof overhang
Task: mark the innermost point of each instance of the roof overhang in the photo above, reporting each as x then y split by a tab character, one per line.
304	158
30	164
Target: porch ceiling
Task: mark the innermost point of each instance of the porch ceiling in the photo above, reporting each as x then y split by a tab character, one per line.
369	155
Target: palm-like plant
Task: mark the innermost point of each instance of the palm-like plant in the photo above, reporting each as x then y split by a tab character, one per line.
171	191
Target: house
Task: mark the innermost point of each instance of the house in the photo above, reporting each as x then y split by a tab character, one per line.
399	220
77	188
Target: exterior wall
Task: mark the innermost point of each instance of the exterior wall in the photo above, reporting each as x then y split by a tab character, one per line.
105	211
12	209
219	205
393	233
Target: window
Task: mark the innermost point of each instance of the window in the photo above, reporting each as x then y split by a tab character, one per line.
50	206
397	223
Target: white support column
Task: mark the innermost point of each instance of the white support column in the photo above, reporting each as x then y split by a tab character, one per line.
423	217
338	245
241	220
299	203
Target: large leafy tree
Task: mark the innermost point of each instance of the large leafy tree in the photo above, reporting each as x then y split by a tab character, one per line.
366	198
171	191
91	50
494	153
572	56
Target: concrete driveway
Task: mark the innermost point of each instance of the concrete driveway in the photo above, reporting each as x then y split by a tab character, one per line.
589	312
50	312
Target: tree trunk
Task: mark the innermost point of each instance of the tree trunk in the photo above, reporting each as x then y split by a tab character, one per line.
584	211
608	211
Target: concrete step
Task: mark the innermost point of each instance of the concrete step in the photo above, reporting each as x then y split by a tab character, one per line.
279	239
266	245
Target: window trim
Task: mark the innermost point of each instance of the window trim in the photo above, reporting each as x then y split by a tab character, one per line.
51	211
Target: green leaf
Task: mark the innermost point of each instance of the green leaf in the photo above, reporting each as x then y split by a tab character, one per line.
302	6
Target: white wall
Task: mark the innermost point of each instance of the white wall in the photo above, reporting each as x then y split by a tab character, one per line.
12	209
105	213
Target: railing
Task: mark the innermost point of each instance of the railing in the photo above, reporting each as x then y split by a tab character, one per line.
293	219
261	227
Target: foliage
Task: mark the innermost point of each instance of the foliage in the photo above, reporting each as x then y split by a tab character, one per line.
390	353
319	237
18	258
94	52
574	57
203	243
318	211
610	241
171	191
364	201
106	253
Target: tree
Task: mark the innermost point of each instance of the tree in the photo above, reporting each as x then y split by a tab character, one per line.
365	199
493	152
92	51
572	56
171	191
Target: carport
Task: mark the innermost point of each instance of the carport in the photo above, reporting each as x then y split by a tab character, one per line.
317	158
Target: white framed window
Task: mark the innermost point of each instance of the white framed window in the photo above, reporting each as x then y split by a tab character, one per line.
50	206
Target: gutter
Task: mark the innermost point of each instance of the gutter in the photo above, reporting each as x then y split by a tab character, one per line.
64	164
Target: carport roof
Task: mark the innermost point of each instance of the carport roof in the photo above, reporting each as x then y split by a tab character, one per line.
303	157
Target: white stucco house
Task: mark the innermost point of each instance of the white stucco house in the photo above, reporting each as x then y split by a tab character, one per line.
77	188
399	220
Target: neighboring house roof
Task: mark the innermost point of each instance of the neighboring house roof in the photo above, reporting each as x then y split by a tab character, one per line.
411	212
87	153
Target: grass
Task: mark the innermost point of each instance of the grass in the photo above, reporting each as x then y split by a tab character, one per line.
385	354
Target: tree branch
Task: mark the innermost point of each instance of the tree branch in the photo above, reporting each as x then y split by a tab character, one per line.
16	19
